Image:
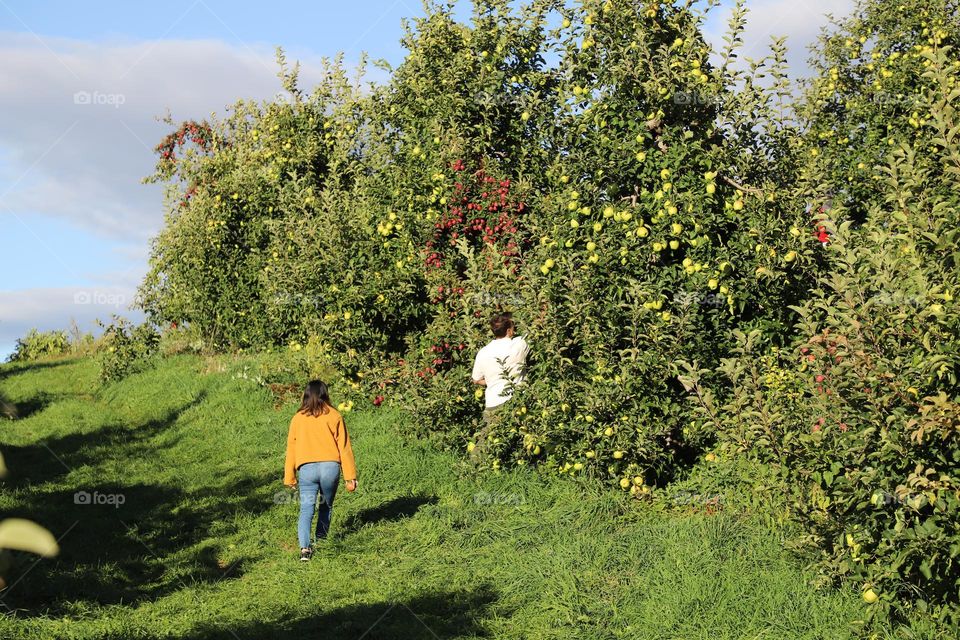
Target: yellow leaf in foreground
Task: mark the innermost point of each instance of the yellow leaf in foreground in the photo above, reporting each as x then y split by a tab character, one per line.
17	533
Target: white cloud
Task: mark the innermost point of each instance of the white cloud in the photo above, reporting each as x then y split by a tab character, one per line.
799	20
53	308
78	123
78	120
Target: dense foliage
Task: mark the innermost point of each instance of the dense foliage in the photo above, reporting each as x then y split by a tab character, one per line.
704	258
37	344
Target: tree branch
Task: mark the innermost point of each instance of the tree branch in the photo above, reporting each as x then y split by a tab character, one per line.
734	183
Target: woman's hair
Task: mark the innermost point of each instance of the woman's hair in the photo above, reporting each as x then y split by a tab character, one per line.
316	399
500	324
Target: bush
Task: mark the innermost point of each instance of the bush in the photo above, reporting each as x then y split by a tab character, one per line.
663	222
178	338
39	344
861	413
127	348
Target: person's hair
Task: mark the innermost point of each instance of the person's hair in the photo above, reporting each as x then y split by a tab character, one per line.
501	323
316	399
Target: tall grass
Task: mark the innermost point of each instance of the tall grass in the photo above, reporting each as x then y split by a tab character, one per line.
204	544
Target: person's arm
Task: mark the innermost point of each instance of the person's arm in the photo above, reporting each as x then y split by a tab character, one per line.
520	350
289	474
477	375
347	461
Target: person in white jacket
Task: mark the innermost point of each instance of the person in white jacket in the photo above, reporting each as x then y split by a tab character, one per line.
499	365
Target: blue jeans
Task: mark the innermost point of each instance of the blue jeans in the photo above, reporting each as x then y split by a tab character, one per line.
316	478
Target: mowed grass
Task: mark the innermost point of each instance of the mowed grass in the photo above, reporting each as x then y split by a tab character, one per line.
204	544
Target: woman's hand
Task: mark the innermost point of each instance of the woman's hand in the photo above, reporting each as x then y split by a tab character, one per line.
351	485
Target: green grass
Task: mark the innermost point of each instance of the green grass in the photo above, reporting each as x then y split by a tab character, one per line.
203	548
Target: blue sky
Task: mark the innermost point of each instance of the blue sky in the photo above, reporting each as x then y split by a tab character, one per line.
81	86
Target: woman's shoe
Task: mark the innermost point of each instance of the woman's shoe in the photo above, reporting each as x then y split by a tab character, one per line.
306	554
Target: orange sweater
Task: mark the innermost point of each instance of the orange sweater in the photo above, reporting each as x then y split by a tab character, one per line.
318	439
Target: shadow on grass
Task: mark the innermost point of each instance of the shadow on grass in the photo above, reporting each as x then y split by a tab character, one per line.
119	542
16	367
21	410
50	459
441	615
396	509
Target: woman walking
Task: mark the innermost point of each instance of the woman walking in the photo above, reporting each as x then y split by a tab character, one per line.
318	451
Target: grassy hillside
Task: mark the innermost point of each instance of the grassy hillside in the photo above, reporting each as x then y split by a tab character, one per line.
203	545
